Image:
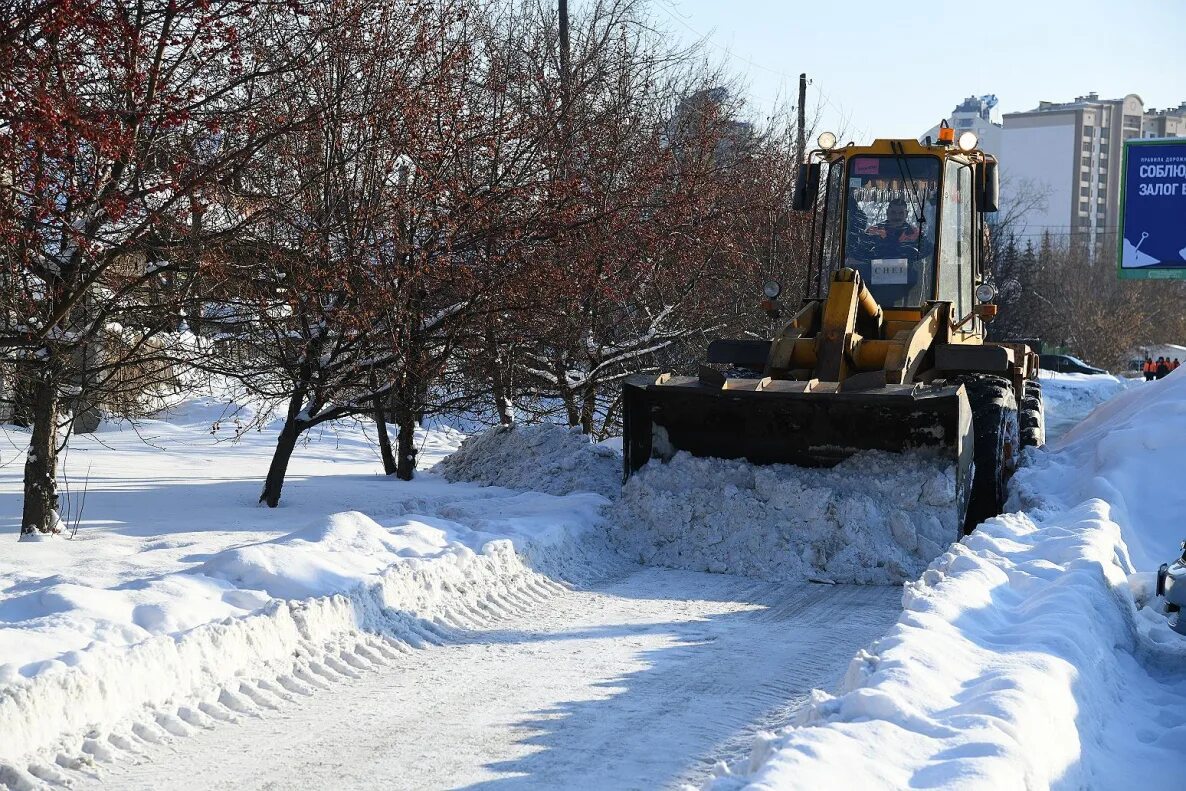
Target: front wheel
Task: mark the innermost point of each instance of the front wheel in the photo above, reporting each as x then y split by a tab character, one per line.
996	443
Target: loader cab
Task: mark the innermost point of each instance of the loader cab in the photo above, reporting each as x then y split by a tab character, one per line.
903	215
890	211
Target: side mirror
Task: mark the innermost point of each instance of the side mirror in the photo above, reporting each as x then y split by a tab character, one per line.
990	187
806	187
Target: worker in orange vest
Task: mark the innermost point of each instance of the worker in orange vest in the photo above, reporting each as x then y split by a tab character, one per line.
1174	365
1148	368
1163	368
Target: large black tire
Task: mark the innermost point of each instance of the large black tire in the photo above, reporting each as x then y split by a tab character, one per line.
1032	417
996	443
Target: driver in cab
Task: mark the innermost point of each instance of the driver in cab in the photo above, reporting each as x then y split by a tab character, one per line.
894	238
887	254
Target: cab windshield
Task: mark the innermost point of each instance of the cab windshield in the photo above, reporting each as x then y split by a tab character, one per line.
889	224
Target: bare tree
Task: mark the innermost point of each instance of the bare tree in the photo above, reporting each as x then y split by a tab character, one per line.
113	139
1073	299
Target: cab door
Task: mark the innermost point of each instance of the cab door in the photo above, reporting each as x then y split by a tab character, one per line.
957	238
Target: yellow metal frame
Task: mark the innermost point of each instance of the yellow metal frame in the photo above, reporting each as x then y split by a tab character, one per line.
900	339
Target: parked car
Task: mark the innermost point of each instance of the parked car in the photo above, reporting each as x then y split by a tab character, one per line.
1066	364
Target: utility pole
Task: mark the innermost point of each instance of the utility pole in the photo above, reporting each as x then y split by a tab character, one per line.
564	54
803	117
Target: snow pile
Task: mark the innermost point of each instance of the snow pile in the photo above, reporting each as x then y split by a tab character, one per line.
876	518
326	557
544	458
1130	452
170	684
1022	659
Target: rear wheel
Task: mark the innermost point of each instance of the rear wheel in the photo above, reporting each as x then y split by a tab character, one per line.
1031	417
996	443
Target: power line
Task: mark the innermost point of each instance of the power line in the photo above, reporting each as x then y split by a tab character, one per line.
845	116
708	39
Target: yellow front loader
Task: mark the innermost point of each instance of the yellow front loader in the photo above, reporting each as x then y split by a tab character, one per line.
888	354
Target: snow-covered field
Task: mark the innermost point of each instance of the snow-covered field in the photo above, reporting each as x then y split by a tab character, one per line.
1024	656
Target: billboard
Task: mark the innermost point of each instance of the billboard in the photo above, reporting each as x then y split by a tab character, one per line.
1153	209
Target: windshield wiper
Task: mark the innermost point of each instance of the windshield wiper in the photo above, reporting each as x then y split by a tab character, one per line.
908	182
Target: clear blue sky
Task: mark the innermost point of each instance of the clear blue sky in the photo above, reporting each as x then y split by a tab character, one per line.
894	69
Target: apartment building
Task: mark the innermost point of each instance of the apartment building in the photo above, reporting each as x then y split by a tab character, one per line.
1072	151
1165	123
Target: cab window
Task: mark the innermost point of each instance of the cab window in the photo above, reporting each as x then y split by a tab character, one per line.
955	255
831	219
890	215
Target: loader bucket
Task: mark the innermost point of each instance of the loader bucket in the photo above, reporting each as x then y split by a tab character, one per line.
808	424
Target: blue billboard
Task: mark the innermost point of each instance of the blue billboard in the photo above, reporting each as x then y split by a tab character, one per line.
1153	209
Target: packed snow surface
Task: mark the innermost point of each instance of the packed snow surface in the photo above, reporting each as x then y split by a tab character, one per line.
543	458
875	518
641	681
1030	655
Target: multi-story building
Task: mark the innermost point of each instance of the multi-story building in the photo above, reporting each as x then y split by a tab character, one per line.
976	114
1165	123
1067	153
1072	152
707	113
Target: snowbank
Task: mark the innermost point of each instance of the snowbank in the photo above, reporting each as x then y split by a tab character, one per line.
1131	453
544	458
876	518
325	557
1068	398
1021	659
177	586
168	685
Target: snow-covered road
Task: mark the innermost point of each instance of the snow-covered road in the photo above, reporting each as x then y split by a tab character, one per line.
640	682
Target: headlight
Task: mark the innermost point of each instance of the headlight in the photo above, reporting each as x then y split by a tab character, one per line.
985	292
827	141
967	141
772	289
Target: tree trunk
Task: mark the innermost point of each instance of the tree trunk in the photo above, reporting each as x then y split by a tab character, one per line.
405	467
84	405
588	409
570	406
41	486
284	448
506	409
503	404
24	396
421	398
500	377
384	439
500	389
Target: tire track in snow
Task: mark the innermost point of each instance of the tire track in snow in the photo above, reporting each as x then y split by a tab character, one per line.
643	681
